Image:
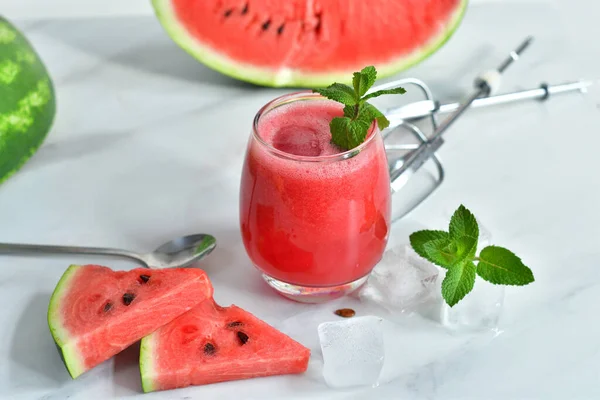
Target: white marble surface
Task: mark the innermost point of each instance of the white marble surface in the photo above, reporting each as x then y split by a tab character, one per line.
148	145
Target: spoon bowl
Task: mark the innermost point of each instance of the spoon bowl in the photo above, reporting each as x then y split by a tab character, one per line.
182	251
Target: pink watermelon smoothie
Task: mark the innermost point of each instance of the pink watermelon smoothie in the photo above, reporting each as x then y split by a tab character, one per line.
311	215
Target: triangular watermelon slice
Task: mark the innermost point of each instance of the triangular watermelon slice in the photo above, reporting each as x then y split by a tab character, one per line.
210	344
96	312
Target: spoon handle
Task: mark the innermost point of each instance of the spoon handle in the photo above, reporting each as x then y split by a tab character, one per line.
20	248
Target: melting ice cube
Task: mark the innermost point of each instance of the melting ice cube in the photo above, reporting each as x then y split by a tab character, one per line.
401	281
485	236
353	351
477	311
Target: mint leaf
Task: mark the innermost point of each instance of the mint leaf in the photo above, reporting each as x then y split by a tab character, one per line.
348	133
339	92
370	112
363	80
357	132
445	251
502	267
463	223
464	248
433	246
339	128
351	111
378	93
464	232
458	282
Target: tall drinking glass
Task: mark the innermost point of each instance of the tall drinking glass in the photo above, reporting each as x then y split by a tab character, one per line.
314	219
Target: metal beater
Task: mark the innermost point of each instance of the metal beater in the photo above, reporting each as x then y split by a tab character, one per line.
404	117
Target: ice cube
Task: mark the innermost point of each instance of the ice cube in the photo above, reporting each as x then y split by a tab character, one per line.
353	351
400	281
298	140
485	236
479	310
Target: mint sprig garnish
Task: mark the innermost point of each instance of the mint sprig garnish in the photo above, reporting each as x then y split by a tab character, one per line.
349	131
456	250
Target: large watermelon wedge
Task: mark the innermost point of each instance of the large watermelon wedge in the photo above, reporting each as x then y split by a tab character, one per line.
210	344
96	312
308	43
27	100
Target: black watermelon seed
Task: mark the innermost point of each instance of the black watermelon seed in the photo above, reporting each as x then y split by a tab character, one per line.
242	337
107	306
227	13
245	9
128	298
280	29
209	349
266	25
234	324
144	278
318	25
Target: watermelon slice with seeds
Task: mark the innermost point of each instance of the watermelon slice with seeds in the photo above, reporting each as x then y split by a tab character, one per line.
210	344
309	43
96	312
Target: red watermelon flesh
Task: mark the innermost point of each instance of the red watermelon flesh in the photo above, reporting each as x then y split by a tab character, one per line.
299	42
210	344
96	312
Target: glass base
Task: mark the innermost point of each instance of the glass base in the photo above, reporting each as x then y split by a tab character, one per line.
312	294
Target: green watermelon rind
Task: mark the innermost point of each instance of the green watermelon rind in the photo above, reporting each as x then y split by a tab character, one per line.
147	363
20	149
290	78
69	352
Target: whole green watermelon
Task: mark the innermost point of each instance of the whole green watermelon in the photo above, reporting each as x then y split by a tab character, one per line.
27	100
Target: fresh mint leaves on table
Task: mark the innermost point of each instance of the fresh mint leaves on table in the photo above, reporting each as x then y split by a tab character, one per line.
349	131
455	250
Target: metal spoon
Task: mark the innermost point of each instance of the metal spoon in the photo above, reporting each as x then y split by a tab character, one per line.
179	252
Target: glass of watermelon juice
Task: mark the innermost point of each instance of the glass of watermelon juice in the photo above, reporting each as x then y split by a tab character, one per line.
314	219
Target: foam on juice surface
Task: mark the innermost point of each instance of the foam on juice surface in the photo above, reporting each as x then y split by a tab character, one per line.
302	128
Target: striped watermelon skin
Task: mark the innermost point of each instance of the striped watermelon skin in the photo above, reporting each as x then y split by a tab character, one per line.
27	100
